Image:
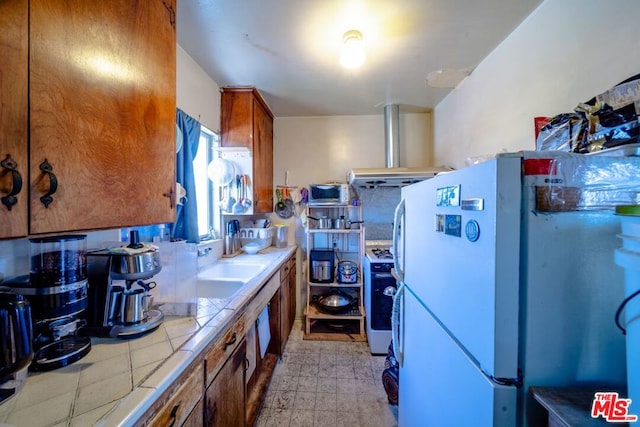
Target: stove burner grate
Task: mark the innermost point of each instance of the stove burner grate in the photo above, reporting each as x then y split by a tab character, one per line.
382	253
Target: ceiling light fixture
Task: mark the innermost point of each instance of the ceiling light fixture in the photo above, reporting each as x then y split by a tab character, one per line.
352	55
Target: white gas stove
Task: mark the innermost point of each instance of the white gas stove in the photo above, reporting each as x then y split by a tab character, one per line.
378	251
378	299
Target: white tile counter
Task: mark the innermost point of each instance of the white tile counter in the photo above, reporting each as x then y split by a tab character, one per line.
120	379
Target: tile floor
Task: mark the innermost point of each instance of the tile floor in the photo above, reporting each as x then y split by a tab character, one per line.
327	383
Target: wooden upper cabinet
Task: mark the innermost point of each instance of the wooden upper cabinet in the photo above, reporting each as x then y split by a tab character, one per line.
102	113
246	121
13	118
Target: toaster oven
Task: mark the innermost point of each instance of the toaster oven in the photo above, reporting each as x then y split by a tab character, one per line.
328	194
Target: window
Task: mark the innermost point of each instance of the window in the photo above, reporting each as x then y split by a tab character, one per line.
204	187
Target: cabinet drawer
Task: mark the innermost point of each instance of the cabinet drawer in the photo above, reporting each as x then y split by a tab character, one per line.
178	408
222	349
284	270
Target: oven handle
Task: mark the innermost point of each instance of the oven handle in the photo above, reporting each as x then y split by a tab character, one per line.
381	276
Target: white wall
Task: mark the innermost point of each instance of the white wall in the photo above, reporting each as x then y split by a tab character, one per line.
565	52
320	149
196	93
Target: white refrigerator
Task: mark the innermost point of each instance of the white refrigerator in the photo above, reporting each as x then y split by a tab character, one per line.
497	296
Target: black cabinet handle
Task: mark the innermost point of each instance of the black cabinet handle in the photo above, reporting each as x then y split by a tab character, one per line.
171	194
232	341
174	413
47	169
10	199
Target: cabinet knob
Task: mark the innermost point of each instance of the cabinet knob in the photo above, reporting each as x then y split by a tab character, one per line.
10	165
47	170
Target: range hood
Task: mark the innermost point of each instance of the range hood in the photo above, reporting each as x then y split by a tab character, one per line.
392	175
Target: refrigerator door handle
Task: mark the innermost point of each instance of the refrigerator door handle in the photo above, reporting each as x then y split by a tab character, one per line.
398	215
396	324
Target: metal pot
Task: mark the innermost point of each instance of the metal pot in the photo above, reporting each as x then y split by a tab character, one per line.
340	223
344	224
334	302
134	266
322	223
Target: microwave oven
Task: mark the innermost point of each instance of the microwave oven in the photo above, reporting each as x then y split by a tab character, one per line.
328	194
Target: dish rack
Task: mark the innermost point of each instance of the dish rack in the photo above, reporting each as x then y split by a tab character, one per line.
262	236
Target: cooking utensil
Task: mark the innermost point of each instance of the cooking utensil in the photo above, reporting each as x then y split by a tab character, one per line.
128	264
340	223
230	201
279	203
335	302
237	207
221	171
246	201
322	223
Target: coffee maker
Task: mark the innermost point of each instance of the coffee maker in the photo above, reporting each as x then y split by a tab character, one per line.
56	288
119	289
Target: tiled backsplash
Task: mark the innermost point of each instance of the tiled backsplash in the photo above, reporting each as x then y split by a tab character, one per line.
378	206
175	283
14	254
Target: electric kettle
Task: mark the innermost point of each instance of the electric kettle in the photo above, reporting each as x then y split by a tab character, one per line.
16	341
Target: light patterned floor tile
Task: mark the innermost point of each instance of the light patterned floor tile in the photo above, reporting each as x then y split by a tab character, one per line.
337	384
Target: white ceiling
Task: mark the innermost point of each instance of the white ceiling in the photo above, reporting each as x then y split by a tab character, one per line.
289	49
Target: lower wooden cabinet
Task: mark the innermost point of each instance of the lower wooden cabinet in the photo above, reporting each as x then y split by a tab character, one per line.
196	417
225	397
178	408
287	300
218	391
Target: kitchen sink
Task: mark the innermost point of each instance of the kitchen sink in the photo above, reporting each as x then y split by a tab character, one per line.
223	279
234	271
217	288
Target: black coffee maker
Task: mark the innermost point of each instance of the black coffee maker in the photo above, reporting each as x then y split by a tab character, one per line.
56	289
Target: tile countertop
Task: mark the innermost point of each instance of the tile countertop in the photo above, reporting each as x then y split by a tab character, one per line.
120	379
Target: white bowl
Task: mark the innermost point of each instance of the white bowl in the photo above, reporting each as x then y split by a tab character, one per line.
251	248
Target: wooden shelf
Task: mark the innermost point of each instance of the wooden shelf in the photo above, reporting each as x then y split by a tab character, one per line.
336	230
336	285
348	245
348	330
313	313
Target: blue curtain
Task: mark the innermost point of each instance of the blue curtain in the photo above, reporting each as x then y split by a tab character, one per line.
186	225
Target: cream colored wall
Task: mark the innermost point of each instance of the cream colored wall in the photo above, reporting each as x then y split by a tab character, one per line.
326	148
196	93
564	53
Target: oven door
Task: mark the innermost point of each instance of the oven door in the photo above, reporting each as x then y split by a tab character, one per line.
383	287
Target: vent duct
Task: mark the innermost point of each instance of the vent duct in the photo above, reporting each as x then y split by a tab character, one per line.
392	175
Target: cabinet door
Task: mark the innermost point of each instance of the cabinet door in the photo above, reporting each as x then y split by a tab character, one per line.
225	397
183	401
13	116
236	117
102	113
285	297
263	160
292	293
